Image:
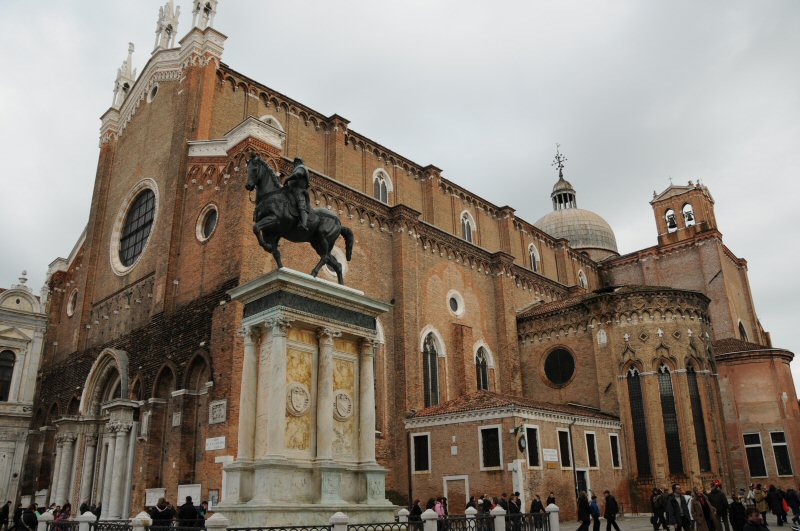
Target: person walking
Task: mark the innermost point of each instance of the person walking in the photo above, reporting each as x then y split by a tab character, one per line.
719	500
793	501
610	511
703	513
29	518
775	503
162	514
595	513
584	511
736	513
536	505
657	505
16	520
4	513
678	510
760	501
416	511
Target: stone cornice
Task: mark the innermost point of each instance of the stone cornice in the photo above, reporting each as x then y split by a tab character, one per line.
525	413
656	251
747	356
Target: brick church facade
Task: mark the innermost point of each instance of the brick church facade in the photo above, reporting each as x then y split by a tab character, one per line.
516	356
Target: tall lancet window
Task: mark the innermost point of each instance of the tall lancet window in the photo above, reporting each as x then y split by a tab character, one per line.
699	421
467	227
430	371
482	369
669	415
638	422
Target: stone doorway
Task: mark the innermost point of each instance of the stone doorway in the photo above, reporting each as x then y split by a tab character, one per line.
456	490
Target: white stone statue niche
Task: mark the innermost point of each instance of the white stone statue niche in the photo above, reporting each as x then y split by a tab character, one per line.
306	441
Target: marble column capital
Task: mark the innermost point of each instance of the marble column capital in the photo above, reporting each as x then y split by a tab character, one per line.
66	438
278	325
119	427
250	333
91	440
327	335
369	346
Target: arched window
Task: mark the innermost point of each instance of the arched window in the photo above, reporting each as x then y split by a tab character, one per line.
380	187
688	215
639	423
670	417
467	227
430	370
582	280
533	254
698	420
136	228
742	332
672	224
482	369
7	359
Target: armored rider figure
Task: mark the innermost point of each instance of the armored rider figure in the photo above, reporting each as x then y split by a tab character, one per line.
298	183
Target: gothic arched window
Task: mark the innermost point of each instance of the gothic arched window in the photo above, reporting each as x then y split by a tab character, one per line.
7	359
638	422
482	369
670	417
380	188
467	227
533	254
698	420
430	370
582	280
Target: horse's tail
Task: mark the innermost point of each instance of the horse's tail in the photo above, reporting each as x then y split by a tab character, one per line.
349	239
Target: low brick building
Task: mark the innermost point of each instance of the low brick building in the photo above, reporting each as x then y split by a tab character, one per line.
496	323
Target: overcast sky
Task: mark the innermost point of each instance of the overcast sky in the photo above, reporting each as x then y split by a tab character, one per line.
635	92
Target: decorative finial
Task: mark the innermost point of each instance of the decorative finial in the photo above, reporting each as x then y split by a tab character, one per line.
23	278
167	26
126	75
559	161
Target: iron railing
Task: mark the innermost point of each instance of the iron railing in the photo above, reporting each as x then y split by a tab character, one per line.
110	525
63	525
527	522
284	528
389	526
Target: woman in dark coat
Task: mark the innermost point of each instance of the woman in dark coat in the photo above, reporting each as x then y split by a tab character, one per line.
775	502
584	512
736	513
416	512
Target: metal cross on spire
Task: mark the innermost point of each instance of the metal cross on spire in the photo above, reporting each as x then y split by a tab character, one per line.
559	161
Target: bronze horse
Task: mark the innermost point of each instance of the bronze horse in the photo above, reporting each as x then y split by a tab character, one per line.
276	216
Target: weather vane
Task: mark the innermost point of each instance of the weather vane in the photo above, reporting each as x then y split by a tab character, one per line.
559	161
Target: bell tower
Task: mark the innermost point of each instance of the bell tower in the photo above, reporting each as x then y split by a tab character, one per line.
126	75
682	212
203	13
167	26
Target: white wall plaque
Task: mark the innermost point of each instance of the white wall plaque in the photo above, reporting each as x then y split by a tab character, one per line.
550	454
176	419
194	490
151	496
215	443
217	411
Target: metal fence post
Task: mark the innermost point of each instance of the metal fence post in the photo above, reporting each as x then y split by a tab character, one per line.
46	516
402	515
499	518
552	511
84	520
217	522
470	512
429	518
339	521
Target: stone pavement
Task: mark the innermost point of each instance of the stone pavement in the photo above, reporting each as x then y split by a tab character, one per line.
626	523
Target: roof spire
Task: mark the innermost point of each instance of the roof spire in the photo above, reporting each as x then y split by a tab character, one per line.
203	13
126	75
563	195
167	26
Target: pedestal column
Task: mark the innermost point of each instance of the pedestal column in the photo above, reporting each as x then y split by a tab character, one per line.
56	469
64	474
276	392
121	430
88	467
109	473
325	394
366	408
247	395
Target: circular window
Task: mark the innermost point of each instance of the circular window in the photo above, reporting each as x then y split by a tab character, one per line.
152	94
73	301
455	303
559	367
133	226
207	222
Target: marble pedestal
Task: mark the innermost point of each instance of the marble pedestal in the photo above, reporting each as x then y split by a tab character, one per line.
306	446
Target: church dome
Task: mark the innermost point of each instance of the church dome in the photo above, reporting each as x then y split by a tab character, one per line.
585	230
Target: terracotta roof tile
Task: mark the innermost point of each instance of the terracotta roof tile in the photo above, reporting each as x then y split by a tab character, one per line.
482	400
725	346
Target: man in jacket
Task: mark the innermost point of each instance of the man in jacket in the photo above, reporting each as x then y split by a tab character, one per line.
719	500
595	514
678	510
610	511
187	514
162	514
754	521
584	511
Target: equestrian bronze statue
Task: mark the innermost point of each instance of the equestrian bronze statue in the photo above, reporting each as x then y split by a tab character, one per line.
285	212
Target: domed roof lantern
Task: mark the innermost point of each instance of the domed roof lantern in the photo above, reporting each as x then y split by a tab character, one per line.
563	195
